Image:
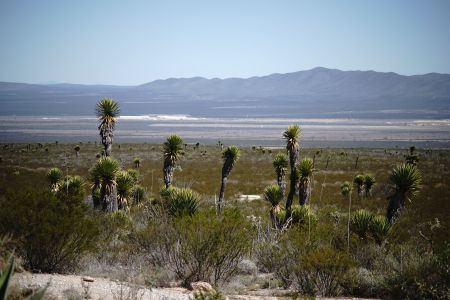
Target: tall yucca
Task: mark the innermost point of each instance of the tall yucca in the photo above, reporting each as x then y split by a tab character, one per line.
280	164
230	156
107	111
54	175
360	223
106	169
172	149
292	136
273	194
125	183
406	179
305	169
379	228
369	181
359	182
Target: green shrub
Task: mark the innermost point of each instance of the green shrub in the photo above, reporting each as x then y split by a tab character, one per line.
302	215
53	232
360	223
204	247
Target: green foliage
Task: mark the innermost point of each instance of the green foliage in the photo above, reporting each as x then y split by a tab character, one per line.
138	194
369	181
379	228
359	182
5	277
183	202
360	223
125	183
52	232
302	215
346	189
406	179
137	162
280	162
292	135
306	167
77	148
199	248
213	295
54	175
231	155
172	148
134	174
107	110
273	195
106	168
72	185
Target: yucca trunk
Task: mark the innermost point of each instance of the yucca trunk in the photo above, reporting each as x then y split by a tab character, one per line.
109	198
221	203
396	204
293	187
304	190
280	181
107	140
168	174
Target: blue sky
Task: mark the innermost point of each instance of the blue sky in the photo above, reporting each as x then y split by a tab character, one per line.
133	42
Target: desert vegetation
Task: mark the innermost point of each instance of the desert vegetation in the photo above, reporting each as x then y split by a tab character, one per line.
114	214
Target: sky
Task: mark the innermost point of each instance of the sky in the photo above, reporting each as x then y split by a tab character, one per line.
134	42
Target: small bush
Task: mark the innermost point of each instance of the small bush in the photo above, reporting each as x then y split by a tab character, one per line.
53	232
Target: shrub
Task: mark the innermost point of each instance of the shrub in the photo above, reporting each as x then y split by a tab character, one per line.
379	228
302	215
53	232
360	223
203	247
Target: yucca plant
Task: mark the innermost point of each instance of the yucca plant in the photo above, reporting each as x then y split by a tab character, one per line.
172	149
305	169
346	191
125	183
137	162
280	164
358	181
77	149
273	194
107	111
54	175
379	229
134	175
302	215
72	185
369	181
230	156
138	194
183	202
292	136
412	157
106	169
360	223
406	179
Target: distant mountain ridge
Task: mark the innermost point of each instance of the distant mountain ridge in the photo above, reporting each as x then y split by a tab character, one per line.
316	91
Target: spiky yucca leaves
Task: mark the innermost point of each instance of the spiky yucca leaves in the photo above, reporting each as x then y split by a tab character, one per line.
369	181
302	215
379	229
106	169
292	136
280	164
134	174
183	202
406	179
346	188
359	182
172	150
305	169
138	194
72	185
125	183
360	223
273	194
230	156
107	111
54	175
137	162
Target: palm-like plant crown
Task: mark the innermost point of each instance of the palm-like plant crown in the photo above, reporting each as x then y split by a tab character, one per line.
172	149
306	167
346	188
361	221
230	156
138	193
106	168
134	175
407	179
125	183
54	175
183	202
292	135
107	111
379	228
369	181
359	180
280	163
73	185
273	194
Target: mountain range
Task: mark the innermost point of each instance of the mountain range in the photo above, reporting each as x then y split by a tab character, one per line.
311	93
